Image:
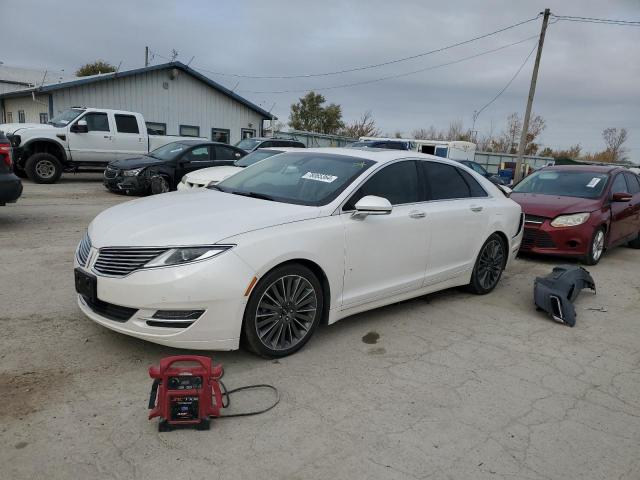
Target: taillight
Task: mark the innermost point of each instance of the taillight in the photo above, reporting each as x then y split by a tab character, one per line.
5	154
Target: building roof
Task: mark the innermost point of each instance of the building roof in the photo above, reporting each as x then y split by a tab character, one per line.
49	87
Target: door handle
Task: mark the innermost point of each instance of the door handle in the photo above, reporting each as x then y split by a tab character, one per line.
417	214
107	136
476	209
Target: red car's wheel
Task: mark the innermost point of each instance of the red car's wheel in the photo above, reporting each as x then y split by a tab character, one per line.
596	249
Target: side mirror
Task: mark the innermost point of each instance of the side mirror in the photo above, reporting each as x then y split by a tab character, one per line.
506	190
622	197
79	127
372	205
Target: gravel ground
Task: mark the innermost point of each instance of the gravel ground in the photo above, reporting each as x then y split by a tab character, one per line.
445	386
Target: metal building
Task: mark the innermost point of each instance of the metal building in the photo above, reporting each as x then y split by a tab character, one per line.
173	98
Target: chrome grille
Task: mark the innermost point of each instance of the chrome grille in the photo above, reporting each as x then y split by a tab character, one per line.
82	252
122	261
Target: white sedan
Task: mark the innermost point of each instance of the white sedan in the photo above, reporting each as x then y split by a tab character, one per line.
212	175
296	240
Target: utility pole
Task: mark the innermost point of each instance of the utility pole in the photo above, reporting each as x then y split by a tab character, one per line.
146	56
517	175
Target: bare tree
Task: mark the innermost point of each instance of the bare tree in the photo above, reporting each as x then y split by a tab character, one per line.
426	134
507	141
614	140
363	127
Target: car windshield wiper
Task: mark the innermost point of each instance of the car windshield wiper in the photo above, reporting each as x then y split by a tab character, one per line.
261	196
216	187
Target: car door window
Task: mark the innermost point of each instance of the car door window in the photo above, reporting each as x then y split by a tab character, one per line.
632	183
126	124
619	185
444	182
397	182
198	154
226	153
97	122
475	188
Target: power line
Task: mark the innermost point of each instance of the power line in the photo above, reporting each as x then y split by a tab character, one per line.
606	21
478	112
388	77
364	67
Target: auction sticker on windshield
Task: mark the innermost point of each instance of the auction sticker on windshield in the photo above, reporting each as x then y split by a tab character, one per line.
320	177
594	181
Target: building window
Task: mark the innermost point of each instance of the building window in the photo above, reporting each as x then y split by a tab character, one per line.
21	116
220	135
44	117
126	124
9	117
156	128
247	133
189	131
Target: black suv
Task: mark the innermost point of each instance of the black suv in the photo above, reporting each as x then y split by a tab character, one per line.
496	179
161	170
10	185
253	143
387	144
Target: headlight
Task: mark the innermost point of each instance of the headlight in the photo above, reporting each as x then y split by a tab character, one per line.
132	173
572	220
177	256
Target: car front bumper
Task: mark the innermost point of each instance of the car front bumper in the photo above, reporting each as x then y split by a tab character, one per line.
566	241
119	183
216	286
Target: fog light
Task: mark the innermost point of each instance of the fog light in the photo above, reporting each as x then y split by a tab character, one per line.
178	314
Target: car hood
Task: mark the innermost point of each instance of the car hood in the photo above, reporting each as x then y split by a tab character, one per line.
12	128
553	205
136	162
217	174
201	217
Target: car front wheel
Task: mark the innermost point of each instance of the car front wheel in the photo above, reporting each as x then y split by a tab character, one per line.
283	311
489	266
596	248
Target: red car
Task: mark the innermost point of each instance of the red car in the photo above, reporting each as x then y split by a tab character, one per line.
579	211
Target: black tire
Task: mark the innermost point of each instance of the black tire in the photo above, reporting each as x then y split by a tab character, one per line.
293	310
163	426
489	266
204	424
595	251
159	184
43	168
635	243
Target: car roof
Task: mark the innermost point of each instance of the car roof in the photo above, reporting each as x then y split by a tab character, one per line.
280	149
585	168
195	141
378	155
264	139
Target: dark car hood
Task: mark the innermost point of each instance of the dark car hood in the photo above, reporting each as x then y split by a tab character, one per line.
553	205
136	162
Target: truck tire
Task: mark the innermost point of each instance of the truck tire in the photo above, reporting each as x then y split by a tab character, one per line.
43	168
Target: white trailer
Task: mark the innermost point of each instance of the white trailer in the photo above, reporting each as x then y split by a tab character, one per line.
454	150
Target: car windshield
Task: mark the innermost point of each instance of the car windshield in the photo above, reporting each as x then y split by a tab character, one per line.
65	117
255	156
169	151
301	178
248	143
567	183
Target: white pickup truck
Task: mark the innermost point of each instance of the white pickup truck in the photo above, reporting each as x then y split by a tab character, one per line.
79	138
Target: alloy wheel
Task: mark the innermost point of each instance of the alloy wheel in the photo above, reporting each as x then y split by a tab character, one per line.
286	312
598	245
490	264
45	169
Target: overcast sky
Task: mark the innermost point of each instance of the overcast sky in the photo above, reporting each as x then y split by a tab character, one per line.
589	76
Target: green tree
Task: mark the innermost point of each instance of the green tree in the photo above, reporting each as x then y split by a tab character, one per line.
310	115
99	66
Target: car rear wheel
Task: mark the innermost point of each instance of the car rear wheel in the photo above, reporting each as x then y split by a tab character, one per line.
596	249
43	168
283	311
489	266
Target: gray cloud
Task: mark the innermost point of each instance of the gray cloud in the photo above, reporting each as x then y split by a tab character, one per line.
588	77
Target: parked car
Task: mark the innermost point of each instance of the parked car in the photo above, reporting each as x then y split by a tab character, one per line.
253	143
476	167
387	144
10	185
579	211
298	239
161	170
79	138
211	176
